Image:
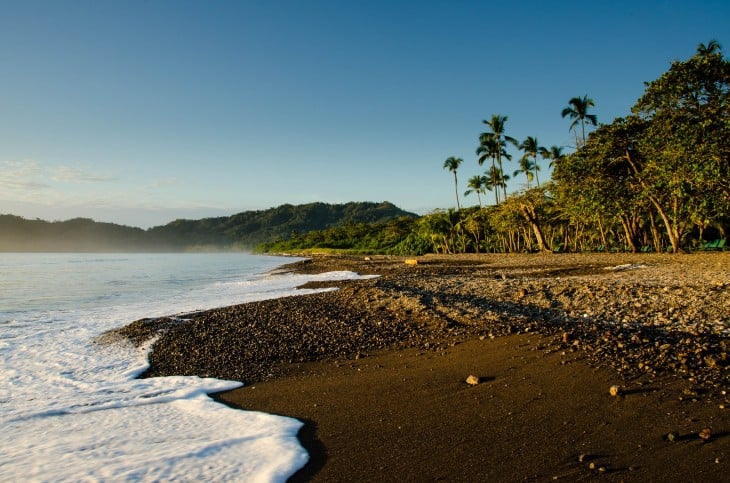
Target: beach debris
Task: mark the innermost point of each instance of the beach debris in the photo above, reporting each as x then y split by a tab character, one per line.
706	434
411	261
626	266
596	467
472	380
614	390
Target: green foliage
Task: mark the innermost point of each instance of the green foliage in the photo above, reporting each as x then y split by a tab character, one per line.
253	227
388	237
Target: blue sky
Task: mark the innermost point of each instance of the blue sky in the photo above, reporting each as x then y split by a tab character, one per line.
140	112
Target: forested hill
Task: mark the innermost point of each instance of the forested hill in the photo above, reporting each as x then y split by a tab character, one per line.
240	231
253	227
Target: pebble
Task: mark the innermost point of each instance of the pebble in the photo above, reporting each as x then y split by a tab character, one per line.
639	321
472	380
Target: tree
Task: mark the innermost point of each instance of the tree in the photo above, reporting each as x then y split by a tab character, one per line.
452	164
531	206
531	147
577	110
496	124
491	182
526	167
712	47
500	180
596	184
488	148
476	185
683	159
553	154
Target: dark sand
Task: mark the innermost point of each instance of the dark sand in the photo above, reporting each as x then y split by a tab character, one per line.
408	415
542	411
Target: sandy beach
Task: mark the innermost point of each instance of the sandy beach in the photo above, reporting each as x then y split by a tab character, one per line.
377	370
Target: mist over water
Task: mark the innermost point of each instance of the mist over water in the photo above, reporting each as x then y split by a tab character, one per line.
72	410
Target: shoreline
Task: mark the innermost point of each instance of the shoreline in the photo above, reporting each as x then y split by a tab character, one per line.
570	325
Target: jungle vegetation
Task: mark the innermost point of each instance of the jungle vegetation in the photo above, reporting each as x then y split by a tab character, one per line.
657	179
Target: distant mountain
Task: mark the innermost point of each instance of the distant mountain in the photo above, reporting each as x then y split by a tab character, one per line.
77	235
240	231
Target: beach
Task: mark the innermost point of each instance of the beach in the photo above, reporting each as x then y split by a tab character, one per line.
377	369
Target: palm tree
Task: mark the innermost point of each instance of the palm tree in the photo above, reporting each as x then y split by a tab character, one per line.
452	164
476	185
496	124
488	148
577	110
531	147
712	47
502	181
554	154
526	166
492	182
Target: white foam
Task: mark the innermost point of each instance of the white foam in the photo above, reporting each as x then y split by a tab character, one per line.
72	410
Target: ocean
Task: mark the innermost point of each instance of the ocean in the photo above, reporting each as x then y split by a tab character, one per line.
72	410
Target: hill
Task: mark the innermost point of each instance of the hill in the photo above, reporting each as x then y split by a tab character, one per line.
77	235
240	231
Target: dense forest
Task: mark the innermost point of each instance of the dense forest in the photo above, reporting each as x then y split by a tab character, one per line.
241	231
657	179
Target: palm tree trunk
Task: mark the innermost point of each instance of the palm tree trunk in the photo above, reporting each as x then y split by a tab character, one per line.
456	190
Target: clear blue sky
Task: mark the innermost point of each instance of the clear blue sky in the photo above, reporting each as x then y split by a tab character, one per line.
140	112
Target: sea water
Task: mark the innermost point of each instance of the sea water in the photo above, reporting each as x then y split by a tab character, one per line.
73	410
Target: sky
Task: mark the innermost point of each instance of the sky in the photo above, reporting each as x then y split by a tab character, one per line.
139	112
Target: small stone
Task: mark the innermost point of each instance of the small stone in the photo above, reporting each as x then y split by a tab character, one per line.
672	436
614	390
472	380
567	337
706	434
581	457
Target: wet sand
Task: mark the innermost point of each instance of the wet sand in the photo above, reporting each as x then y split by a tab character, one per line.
409	416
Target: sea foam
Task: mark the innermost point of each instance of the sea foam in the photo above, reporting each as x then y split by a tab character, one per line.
74	410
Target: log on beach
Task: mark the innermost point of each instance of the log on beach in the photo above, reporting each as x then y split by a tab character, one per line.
377	369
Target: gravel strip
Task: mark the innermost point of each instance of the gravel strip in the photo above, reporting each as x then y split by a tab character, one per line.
645	315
